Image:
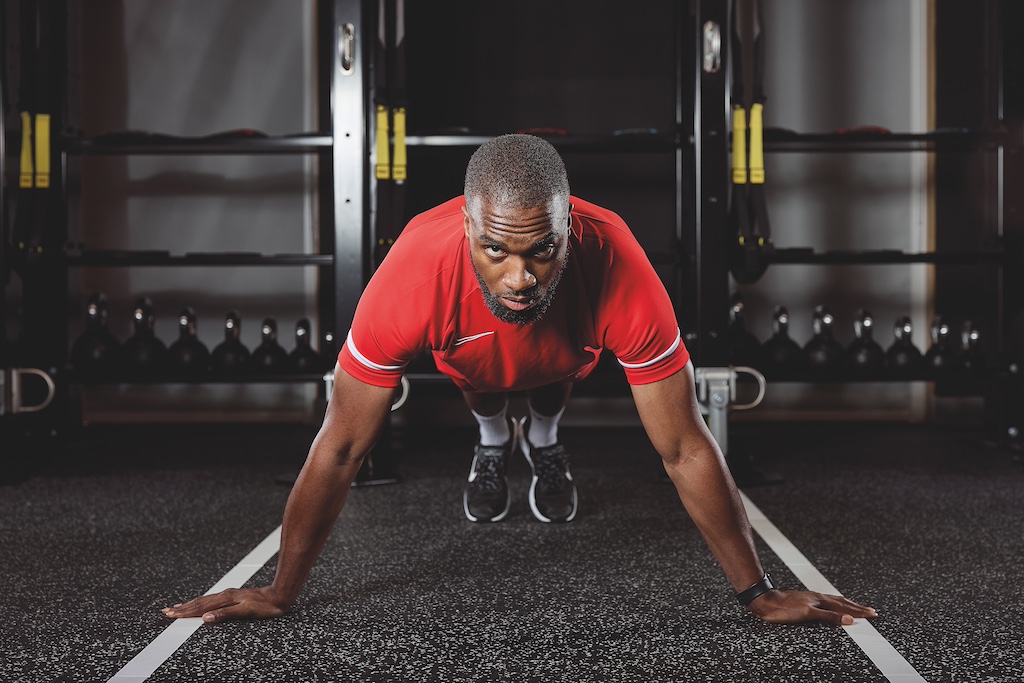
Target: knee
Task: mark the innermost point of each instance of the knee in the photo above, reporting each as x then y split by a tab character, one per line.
550	399
485	403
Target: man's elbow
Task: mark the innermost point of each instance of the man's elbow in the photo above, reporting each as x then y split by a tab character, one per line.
329	453
350	457
674	456
696	452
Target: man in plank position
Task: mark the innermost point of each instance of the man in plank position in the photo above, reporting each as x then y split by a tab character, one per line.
518	286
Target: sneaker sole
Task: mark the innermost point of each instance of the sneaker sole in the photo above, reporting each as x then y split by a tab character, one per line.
498	518
525	447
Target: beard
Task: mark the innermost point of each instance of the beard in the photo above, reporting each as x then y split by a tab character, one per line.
527	316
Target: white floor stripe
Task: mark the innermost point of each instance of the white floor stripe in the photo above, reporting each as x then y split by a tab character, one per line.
174	636
890	662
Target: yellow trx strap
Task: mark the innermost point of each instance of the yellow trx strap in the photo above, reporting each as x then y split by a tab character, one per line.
383	166
399	168
756	144
27	170
739	145
42	150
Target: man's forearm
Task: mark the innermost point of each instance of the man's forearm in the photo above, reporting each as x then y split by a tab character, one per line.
355	417
710	497
313	507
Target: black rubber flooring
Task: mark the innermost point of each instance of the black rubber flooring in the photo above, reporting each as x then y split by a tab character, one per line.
923	523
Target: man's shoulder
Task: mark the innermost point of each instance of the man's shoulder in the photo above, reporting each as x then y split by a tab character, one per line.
598	215
432	237
600	230
428	252
441	216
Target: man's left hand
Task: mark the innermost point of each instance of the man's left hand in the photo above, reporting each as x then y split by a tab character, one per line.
792	607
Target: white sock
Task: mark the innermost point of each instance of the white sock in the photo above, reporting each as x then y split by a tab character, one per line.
494	430
544	429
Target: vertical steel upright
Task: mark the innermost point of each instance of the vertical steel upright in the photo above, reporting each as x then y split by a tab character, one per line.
5	354
683	19
344	192
709	243
345	188
1005	387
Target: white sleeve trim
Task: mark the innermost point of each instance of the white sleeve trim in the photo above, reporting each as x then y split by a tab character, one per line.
671	350
366	361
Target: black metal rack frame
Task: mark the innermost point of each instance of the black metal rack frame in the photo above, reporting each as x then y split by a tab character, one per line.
700	145
998	140
340	146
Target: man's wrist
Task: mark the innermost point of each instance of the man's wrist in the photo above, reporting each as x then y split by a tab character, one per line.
282	597
759	588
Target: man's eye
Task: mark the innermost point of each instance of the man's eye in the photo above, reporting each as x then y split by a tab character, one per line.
545	250
493	250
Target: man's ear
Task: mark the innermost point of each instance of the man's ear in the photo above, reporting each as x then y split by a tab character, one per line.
465	220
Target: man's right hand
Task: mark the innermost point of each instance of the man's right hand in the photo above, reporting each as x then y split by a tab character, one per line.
355	417
234	603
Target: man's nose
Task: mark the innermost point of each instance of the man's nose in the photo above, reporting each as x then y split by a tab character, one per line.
517	276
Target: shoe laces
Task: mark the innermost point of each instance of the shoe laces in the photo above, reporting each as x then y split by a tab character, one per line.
550	465
490	467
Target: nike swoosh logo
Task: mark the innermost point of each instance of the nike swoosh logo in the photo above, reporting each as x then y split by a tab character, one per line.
463	340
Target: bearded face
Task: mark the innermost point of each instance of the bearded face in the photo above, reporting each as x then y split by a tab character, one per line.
518	256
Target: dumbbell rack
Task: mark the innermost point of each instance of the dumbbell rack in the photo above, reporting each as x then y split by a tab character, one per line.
38	252
999	142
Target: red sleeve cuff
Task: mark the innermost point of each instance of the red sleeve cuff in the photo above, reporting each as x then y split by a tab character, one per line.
374	376
660	368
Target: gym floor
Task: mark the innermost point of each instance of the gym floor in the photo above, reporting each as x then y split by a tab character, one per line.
922	522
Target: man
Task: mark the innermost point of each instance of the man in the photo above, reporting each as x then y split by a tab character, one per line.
518	286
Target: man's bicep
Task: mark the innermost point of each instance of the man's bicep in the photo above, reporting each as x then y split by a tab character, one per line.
356	413
669	412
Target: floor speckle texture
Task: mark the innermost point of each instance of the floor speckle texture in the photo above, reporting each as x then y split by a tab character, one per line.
920	522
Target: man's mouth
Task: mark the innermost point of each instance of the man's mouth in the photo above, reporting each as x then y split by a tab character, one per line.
518	304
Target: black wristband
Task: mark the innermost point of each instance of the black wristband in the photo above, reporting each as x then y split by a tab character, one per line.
748	596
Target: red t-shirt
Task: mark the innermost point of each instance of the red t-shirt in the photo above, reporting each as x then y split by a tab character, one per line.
425	296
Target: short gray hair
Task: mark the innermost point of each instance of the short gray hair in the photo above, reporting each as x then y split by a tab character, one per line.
520	171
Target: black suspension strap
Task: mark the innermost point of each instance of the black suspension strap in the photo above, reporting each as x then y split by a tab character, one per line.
390	168
28	233
748	214
398	95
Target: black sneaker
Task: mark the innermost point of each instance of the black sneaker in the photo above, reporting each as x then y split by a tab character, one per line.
553	495
486	497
